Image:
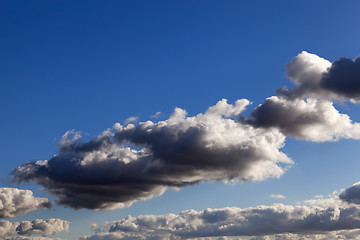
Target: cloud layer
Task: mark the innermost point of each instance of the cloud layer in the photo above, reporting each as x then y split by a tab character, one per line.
38	226
15	201
140	162
314	219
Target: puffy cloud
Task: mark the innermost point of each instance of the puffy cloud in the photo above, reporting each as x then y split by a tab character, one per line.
277	220
309	119
351	194
7	228
316	77
38	226
333	235
43	227
307	111
15	201
306	71
343	78
139	162
30	238
319	218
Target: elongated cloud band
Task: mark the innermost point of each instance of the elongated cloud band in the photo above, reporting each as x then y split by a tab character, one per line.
15	201
136	163
321	218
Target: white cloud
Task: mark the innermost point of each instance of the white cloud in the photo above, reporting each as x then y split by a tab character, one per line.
320	218
38	226
131	119
15	201
277	196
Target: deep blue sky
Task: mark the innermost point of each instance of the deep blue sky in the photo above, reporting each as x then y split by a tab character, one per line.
85	65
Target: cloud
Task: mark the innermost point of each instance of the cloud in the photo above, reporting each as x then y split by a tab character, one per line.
343	78
307	111
156	115
38	226
43	227
261	221
30	238
319	218
316	77
15	201
351	194
277	196
309	119
136	163
7	228
333	235
131	119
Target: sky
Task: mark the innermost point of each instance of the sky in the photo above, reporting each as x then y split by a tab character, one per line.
179	120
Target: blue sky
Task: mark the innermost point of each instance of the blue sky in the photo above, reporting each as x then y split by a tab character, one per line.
86	65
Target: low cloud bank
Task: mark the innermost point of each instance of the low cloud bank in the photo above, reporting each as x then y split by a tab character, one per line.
319	218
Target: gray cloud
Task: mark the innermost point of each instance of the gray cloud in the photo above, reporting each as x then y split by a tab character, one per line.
43	227
140	162
307	111
343	78
38	226
309	119
277	220
351	194
30	238
316	77
319	218
15	201
7	228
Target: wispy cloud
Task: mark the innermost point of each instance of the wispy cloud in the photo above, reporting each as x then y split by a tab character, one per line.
131	119
277	196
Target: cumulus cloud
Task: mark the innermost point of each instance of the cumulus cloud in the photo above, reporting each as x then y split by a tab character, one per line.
7	228
343	78
333	235
351	194
316	77
15	201
30	238
261	221
43	227
139	162
38	226
307	111
307	119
